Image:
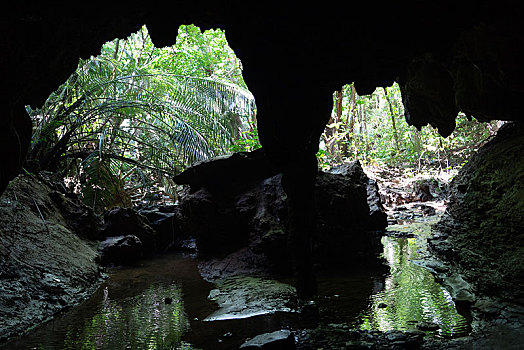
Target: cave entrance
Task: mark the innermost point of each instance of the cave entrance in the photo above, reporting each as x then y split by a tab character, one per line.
413	169
128	119
408	164
372	128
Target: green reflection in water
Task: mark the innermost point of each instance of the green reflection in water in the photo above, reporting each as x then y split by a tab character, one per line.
411	295
144	321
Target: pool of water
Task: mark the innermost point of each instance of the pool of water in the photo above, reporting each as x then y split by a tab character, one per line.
165	304
141	307
410	297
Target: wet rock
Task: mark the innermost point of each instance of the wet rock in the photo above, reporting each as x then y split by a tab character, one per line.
214	221
377	214
120	250
394	336
460	290
278	340
360	345
488	307
425	210
484	218
434	266
338	325
243	297
422	191
44	265
399	234
441	246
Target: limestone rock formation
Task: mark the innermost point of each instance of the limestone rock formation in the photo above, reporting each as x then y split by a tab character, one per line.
164	220
44	266
226	219
127	221
482	232
282	339
446	56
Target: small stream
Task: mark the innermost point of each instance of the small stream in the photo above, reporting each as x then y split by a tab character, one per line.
165	304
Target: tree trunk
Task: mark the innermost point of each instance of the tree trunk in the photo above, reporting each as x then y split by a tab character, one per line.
338	118
417	142
117	45
352	111
364	129
349	124
395	132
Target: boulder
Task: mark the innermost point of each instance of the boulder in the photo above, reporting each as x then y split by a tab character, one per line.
225	219
232	171
120	250
165	221
278	340
377	215
127	221
214	221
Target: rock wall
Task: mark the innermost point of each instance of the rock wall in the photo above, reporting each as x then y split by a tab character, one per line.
224	219
44	266
446	56
482	233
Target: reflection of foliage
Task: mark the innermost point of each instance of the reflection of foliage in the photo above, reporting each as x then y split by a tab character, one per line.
142	322
411	295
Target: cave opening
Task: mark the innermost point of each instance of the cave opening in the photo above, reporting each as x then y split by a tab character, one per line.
130	118
450	57
373	129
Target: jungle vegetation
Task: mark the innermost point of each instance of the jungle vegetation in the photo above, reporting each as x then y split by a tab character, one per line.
373	129
130	118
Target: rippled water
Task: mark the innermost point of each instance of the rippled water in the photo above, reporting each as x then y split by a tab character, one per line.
410	297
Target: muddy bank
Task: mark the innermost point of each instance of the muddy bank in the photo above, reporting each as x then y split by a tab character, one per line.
45	266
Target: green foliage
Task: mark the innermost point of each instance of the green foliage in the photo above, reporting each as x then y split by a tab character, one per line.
248	141
126	121
373	129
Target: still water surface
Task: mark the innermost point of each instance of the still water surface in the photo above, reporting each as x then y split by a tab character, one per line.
162	303
411	297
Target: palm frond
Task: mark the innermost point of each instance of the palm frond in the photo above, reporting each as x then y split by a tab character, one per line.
147	123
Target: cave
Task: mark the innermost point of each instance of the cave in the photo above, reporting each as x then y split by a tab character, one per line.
449	56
